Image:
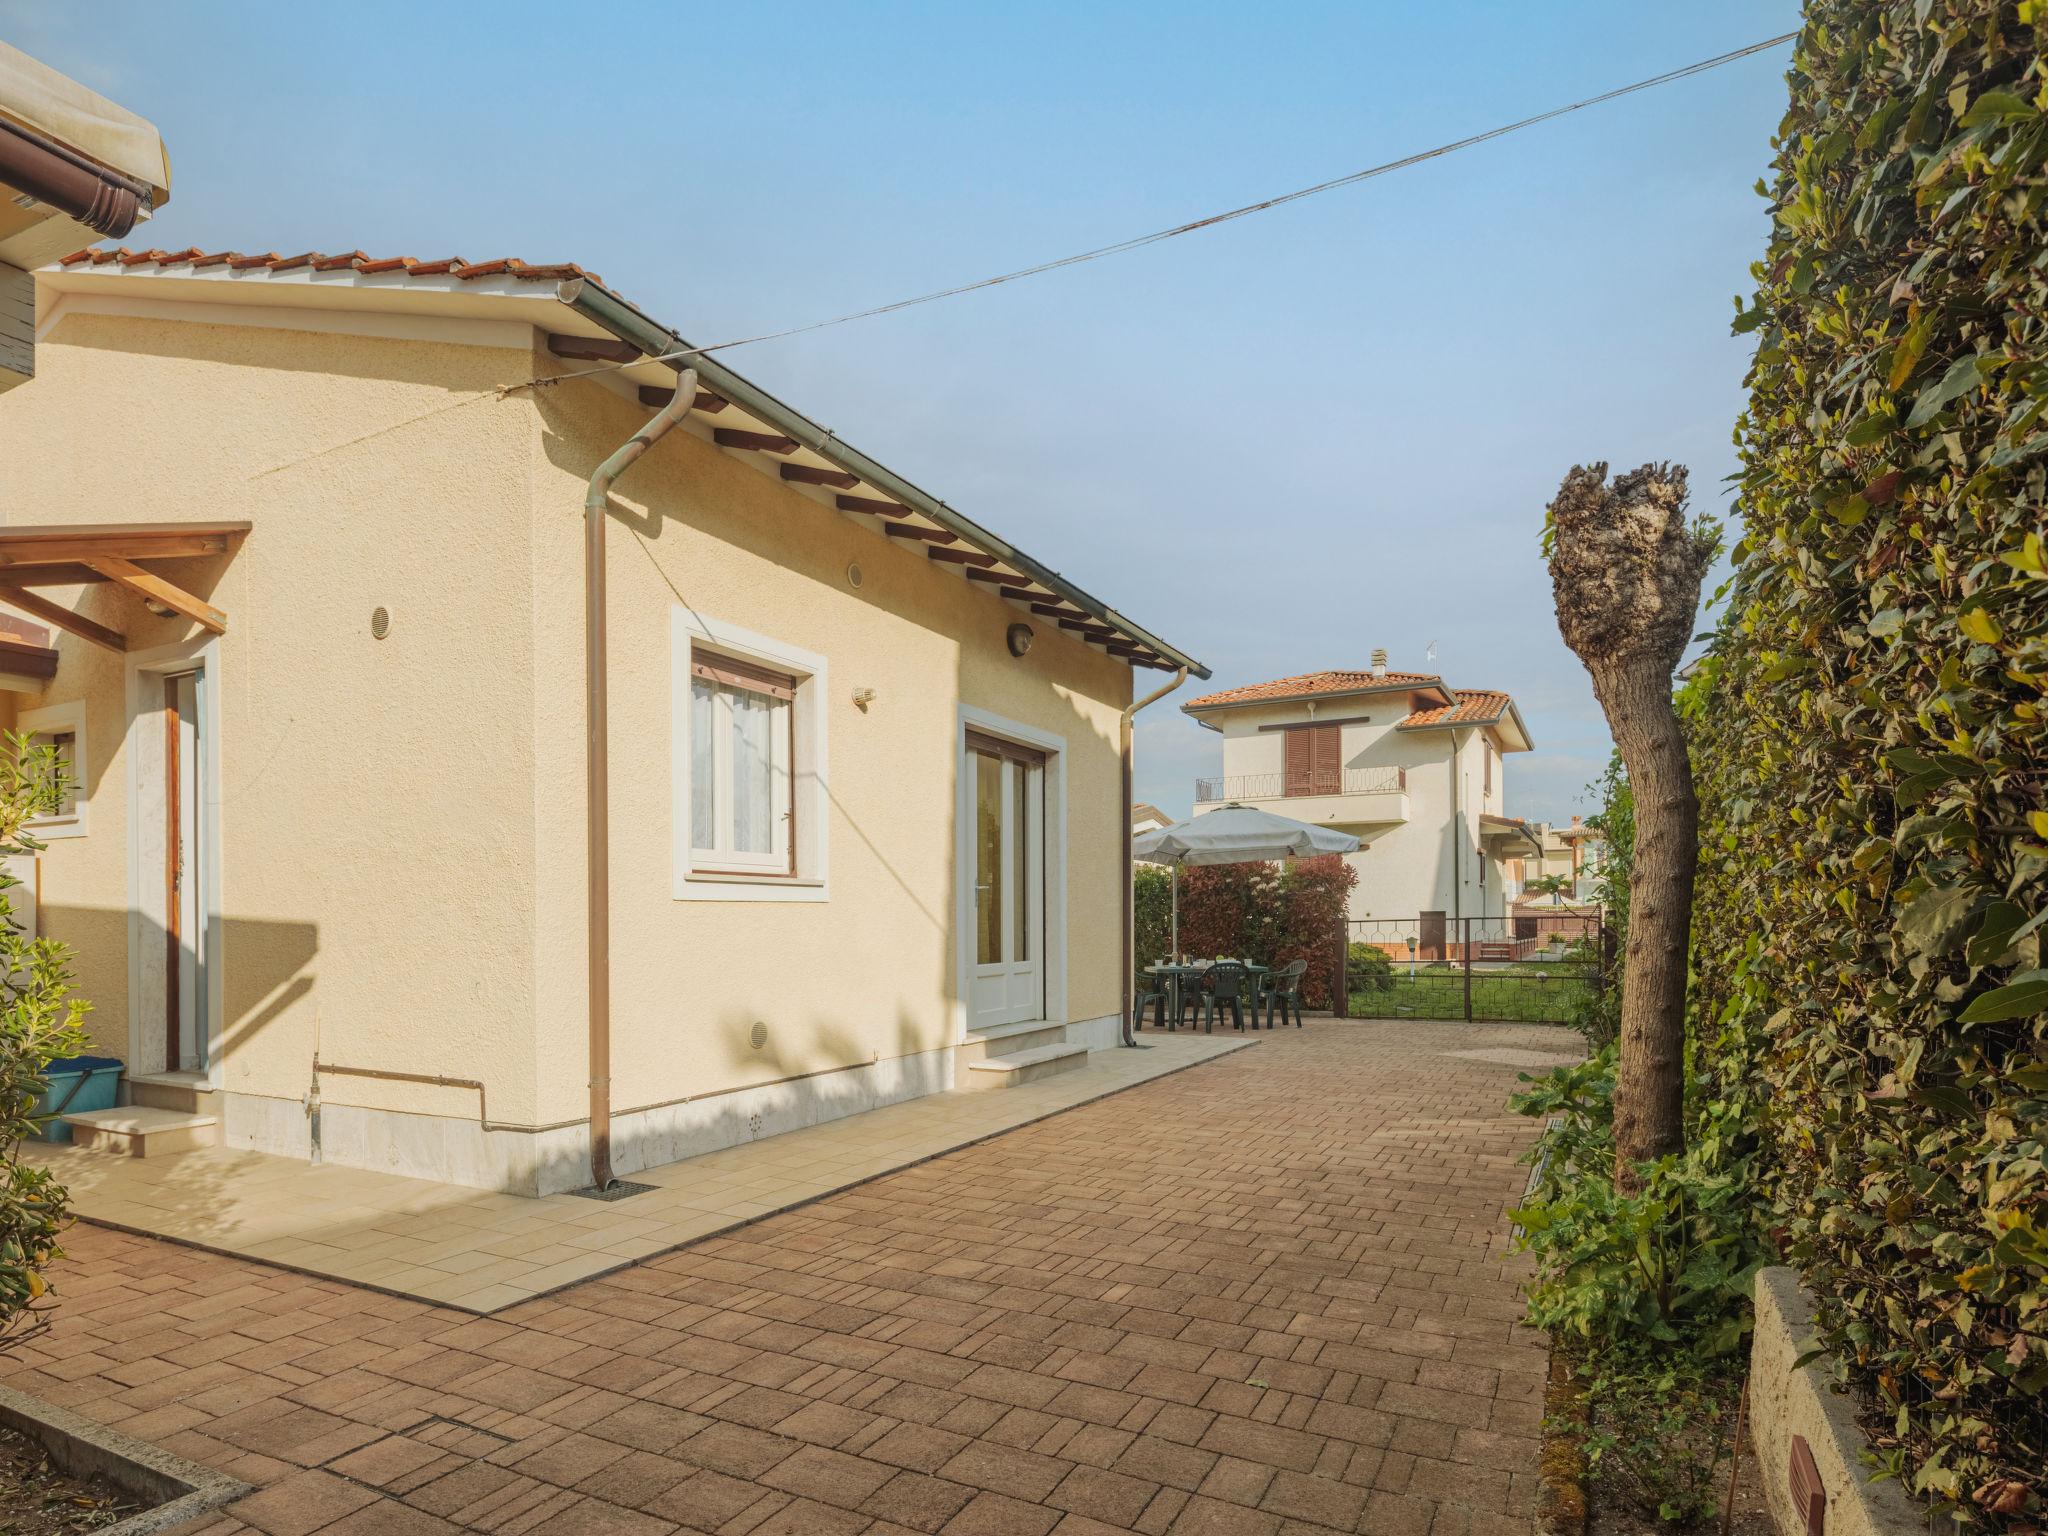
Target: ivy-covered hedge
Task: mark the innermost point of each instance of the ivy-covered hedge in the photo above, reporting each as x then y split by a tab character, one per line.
1873	749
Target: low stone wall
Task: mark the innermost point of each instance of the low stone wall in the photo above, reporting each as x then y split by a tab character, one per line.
178	1491
1784	1402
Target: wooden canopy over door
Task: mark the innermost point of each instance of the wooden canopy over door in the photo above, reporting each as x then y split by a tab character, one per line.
58	555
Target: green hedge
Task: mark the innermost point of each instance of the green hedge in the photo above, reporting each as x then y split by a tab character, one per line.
1870	730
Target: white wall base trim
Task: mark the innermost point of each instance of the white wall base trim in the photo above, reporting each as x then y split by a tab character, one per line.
1103	1034
650	1137
456	1151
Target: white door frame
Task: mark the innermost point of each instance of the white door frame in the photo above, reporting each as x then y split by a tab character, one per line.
1054	864
143	674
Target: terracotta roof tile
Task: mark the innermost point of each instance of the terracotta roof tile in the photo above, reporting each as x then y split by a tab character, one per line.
1475	706
1308	685
411	266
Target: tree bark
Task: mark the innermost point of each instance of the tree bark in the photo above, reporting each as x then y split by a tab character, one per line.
1625	569
1649	1089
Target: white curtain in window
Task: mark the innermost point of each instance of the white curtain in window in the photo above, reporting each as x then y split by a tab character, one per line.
753	770
703	763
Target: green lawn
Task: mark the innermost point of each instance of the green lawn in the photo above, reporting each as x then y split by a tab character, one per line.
1530	993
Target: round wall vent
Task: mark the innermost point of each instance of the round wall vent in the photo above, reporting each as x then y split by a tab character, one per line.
380	622
759	1035
854	577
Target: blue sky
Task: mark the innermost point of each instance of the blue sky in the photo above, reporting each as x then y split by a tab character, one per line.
1366	397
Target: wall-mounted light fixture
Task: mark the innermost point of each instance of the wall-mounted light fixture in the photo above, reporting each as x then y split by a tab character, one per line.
1020	638
862	698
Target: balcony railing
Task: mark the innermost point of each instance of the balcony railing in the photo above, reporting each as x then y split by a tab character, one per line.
1274	786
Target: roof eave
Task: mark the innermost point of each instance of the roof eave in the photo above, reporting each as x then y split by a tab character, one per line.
1197	708
595	302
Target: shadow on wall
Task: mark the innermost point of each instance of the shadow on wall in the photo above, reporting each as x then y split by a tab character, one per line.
263	966
778	1095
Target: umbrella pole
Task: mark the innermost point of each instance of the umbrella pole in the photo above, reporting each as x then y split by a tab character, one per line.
1176	913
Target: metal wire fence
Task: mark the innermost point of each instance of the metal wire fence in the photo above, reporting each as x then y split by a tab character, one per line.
1530	967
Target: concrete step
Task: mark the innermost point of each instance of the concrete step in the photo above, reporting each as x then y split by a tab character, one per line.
140	1131
1025	1066
185	1092
1006	1039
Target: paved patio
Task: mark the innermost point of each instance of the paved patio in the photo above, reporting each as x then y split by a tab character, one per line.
1269	1294
483	1251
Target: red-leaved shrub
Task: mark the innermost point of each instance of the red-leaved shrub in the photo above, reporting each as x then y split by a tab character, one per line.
1274	914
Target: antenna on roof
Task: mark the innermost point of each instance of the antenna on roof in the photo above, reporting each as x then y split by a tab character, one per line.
1429	656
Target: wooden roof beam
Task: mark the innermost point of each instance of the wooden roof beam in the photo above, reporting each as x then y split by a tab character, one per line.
149	586
29	552
917	531
811	474
758	442
997	578
890	512
962	557
655	398
593	349
63	618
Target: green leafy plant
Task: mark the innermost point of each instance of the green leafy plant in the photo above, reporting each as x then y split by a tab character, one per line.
39	1022
1151	902
1871	731
1277	913
1648	1291
1368	968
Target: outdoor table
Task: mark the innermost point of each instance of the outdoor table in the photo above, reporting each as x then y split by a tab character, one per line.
1177	975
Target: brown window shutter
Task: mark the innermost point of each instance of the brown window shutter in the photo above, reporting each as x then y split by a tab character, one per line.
1300	764
1329	759
742	674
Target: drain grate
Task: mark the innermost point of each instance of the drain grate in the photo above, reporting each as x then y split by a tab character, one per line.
619	1189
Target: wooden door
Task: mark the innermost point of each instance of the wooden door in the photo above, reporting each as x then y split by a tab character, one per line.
1008	800
184	1035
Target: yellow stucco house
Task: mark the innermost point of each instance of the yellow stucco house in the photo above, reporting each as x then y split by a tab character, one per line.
427	822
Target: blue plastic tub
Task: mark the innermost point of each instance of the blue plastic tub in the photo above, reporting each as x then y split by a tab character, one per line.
77	1083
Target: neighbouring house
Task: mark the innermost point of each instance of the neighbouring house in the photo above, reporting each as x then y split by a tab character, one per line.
1148	818
1413	768
1571	853
73	167
381	855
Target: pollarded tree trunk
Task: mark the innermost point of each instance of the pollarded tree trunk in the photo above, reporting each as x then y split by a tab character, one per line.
1625	569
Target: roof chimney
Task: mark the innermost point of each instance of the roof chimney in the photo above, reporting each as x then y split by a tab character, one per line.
1379	661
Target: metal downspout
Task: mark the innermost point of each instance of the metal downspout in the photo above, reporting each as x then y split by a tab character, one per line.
1457	839
597	773
1130	872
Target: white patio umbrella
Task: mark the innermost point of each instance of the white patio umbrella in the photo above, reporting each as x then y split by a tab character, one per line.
1234	834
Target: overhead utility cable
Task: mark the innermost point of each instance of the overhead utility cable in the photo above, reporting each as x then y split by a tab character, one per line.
1210	222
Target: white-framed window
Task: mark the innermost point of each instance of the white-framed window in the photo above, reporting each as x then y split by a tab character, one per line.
750	800
742	745
62	727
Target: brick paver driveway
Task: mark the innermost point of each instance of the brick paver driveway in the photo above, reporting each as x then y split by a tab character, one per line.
1267	1294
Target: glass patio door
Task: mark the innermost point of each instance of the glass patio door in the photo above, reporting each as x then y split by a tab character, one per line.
1008	981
